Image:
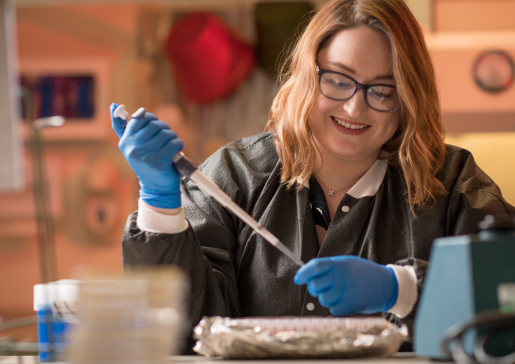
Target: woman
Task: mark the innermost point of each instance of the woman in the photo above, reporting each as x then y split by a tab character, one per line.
351	175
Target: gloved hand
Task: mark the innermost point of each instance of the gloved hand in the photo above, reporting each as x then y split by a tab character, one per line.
149	145
348	284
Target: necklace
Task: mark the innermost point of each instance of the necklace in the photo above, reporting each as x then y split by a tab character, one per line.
331	192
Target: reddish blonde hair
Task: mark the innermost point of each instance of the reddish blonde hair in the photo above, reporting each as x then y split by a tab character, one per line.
418	143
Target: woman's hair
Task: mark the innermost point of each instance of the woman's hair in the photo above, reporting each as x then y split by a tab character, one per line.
417	144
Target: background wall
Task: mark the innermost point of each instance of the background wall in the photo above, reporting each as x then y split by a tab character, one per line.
481	122
91	188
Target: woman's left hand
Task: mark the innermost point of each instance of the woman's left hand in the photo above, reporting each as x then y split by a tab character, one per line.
348	284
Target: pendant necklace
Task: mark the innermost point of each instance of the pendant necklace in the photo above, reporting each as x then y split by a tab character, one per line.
331	192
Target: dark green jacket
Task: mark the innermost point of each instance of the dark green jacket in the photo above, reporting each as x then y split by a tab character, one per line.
234	272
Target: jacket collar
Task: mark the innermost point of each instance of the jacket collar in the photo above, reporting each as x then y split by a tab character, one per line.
369	183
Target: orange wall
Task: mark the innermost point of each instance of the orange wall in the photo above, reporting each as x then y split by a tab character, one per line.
464	29
76	173
473	15
458	90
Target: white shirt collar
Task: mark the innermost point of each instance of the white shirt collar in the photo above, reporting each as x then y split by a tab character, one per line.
369	183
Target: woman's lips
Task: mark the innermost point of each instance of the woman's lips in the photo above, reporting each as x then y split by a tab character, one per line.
347	127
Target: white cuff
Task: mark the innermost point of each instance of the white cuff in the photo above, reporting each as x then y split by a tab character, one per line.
408	292
156	222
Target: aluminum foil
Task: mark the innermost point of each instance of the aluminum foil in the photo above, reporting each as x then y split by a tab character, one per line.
302	337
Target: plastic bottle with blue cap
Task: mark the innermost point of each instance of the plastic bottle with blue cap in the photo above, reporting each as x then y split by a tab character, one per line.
55	304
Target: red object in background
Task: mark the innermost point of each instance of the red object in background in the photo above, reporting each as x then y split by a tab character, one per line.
209	61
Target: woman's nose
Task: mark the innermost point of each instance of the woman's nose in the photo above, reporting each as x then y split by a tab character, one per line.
356	105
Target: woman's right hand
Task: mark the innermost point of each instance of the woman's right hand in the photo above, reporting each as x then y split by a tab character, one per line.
149	145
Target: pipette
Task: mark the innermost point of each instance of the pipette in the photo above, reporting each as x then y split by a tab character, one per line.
186	168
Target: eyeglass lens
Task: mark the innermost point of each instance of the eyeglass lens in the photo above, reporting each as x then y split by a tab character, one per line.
339	87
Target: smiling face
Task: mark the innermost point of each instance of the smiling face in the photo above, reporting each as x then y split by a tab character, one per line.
350	131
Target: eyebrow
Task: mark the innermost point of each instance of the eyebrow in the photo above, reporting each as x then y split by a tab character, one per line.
348	69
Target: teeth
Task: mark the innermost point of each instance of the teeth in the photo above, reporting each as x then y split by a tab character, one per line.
349	126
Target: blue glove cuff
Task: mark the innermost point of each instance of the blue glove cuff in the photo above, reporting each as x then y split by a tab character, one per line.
395	292
160	200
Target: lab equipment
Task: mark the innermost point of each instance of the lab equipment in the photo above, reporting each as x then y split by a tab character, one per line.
495	333
45	225
297	337
462	282
56	307
506	296
187	169
134	319
44	219
12	346
349	284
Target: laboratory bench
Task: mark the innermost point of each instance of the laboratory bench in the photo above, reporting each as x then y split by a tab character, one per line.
399	358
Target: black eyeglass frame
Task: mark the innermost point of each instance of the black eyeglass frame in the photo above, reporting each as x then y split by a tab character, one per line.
359	86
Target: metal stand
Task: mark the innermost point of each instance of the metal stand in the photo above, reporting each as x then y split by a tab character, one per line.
45	226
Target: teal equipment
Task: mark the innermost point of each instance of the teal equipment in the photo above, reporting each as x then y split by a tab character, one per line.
461	282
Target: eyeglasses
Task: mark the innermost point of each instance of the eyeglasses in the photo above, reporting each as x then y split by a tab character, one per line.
339	87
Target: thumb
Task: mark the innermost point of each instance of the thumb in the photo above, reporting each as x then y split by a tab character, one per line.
117	124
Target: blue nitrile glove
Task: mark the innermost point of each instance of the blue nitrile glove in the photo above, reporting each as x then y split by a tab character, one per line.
348	284
149	145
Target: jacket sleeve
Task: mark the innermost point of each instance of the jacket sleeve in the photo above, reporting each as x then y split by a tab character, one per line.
205	251
420	267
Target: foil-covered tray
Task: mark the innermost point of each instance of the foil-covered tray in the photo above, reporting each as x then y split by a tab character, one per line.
297	337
